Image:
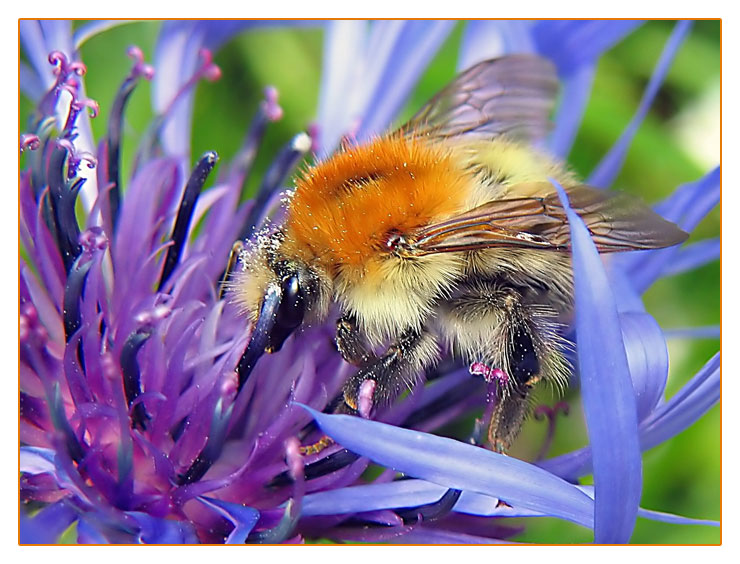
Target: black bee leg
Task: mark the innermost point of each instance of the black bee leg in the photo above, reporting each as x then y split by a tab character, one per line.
524	368
351	343
394	371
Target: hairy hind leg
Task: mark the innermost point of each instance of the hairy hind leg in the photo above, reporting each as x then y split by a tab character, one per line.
491	322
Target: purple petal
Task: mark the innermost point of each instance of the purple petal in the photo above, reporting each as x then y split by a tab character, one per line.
243	518
611	164
458	465
608	396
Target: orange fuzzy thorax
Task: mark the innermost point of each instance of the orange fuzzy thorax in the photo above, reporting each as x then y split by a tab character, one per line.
345	208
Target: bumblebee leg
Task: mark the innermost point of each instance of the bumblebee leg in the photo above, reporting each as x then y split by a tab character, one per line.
396	370
351	343
524	368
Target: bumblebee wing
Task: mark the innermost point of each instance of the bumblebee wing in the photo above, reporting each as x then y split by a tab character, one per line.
616	221
512	95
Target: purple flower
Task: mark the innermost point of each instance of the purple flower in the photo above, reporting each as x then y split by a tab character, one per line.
148	413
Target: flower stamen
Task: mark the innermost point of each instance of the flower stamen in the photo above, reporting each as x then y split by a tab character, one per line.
132	376
115	127
185	213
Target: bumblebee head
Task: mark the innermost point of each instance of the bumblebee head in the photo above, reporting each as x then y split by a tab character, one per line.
279	292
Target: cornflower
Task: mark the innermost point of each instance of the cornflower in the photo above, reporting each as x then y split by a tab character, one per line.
147	417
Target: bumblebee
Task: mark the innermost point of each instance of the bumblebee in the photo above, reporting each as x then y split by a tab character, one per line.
444	236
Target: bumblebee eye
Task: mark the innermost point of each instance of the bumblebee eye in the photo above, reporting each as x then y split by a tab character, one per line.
291	310
394	240
289	314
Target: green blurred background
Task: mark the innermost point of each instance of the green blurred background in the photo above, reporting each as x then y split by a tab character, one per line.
677	143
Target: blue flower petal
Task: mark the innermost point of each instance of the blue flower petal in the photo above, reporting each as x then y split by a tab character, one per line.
242	517
572	43
37	460
708	332
607	170
688	205
693	256
47	525
680	412
413	46
690	202
576	92
606	387
689	404
647	356
454	464
344	51
674	519
488	39
402	494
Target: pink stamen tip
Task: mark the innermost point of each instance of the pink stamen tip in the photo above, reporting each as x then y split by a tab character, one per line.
77	68
212	72
206	56
230	385
91	105
147	71
29	312
270	106
365	398
293	458
93	239
140	68
488	373
314	132
59	60
135	52
29	141
66	144
500	375
24	328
